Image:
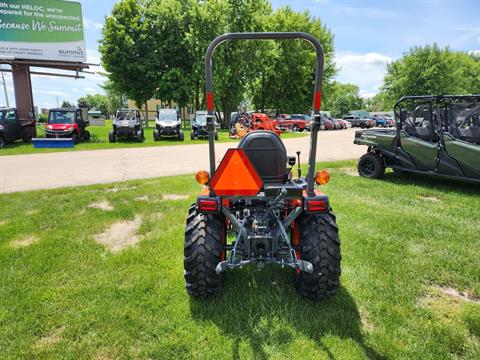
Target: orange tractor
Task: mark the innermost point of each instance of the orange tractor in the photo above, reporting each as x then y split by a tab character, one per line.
253	121
254	211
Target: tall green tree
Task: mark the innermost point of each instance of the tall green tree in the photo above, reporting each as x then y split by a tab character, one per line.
286	82
342	98
96	101
431	70
67	104
115	98
126	51
157	48
234	62
169	22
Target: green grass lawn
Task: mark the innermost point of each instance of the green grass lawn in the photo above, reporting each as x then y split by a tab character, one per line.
99	140
410	283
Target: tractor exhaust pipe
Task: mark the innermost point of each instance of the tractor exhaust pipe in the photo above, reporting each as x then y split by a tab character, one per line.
317	97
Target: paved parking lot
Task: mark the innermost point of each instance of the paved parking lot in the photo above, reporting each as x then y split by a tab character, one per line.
54	170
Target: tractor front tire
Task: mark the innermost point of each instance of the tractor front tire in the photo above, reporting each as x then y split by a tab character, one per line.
320	245
203	248
181	135
156	135
139	136
371	166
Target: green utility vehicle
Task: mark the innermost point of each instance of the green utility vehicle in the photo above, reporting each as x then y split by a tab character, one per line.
434	135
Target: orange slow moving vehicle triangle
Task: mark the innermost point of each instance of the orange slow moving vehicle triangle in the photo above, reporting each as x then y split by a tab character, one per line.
236	176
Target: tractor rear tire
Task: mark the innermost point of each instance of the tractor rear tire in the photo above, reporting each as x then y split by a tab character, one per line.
320	245
86	135
204	237
371	166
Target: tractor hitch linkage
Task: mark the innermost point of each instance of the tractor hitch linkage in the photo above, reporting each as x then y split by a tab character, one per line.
280	237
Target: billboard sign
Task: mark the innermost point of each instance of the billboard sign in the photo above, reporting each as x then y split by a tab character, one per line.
42	30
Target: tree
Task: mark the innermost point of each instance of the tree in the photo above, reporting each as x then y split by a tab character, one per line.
169	21
115	98
97	101
157	48
342	98
67	104
377	103
234	61
126	52
430	70
286	81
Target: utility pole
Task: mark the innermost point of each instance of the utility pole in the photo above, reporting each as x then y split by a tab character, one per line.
4	87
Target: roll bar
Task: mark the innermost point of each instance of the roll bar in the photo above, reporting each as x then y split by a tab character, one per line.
316	97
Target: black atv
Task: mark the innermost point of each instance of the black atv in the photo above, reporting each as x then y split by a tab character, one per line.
435	135
12	129
252	211
126	124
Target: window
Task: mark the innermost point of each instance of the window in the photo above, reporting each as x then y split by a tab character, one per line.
11	116
418	120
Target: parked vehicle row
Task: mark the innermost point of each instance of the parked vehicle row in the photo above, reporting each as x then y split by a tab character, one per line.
370	122
334	124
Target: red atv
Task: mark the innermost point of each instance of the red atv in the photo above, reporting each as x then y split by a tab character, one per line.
252	210
67	123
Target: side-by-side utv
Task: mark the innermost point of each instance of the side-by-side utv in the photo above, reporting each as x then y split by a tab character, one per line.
169	124
434	135
126	124
253	211
67	123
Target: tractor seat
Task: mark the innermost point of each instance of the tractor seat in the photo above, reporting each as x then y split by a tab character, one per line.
475	131
267	154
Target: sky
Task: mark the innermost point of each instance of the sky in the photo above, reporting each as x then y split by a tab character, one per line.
367	35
